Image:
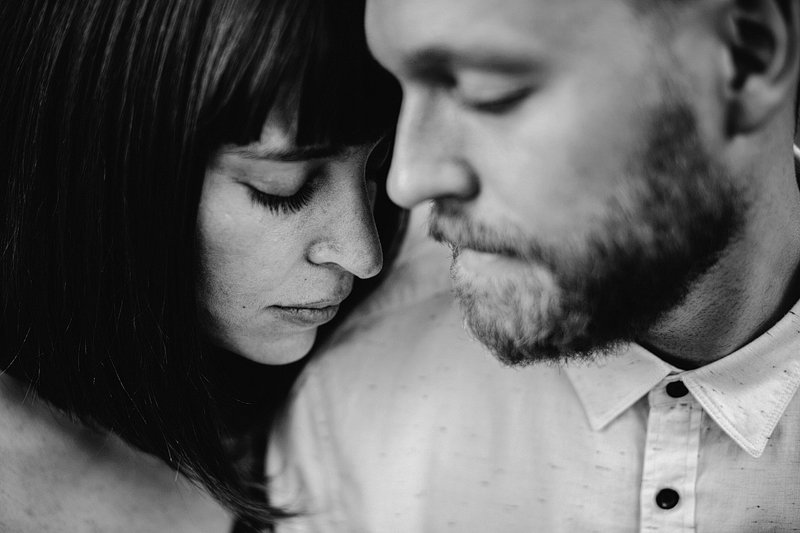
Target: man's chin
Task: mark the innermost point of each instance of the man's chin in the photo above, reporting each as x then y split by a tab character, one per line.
517	345
494	309
521	316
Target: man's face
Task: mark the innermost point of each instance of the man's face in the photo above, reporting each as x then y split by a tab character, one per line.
567	170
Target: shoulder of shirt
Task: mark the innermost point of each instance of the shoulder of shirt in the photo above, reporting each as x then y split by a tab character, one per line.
420	270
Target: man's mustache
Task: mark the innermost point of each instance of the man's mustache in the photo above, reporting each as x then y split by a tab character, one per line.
450	225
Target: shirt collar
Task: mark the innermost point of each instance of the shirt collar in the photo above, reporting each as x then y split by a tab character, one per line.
610	385
745	393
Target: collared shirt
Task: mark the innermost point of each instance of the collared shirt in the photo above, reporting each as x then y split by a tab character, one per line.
404	424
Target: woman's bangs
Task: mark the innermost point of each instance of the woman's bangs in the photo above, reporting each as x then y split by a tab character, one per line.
346	99
317	69
355	104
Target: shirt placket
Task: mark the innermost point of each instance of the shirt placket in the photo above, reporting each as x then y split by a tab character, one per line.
669	473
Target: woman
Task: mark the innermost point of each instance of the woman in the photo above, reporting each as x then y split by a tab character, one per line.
183	191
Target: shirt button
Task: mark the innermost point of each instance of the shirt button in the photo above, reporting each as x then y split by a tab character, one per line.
667	498
676	389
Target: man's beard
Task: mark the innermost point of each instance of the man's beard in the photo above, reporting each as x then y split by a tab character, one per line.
638	261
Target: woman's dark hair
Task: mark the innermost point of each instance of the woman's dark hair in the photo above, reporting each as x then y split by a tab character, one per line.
110	111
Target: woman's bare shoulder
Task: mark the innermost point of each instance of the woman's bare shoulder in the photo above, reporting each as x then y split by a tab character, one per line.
56	475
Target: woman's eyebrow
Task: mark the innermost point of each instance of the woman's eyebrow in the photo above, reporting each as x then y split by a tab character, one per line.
290	154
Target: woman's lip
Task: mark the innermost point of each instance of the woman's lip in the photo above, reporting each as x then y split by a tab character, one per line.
307	316
313	305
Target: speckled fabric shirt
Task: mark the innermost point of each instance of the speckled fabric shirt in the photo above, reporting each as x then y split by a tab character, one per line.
404	424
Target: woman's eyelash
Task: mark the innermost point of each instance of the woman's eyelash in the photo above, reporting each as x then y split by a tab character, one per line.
282	205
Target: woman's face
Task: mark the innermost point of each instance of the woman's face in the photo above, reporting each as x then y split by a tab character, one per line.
282	231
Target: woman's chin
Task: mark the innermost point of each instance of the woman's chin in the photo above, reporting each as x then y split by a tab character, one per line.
278	351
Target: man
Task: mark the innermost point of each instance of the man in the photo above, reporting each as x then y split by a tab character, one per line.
617	185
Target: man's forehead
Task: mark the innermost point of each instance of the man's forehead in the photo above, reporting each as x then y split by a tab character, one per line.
412	28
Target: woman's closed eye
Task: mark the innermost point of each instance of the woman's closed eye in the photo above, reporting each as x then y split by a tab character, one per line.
283	205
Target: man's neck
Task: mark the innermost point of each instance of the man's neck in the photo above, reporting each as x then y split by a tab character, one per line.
755	283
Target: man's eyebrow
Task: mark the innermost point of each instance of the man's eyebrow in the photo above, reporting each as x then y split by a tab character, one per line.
290	154
435	59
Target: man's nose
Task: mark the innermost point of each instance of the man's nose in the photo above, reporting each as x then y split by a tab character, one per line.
427	162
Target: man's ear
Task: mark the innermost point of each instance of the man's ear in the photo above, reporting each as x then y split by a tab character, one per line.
763	39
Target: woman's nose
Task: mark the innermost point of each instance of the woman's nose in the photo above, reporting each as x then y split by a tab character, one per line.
350	238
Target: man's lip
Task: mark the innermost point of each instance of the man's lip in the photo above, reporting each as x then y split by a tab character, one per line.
479	247
476	260
486	250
